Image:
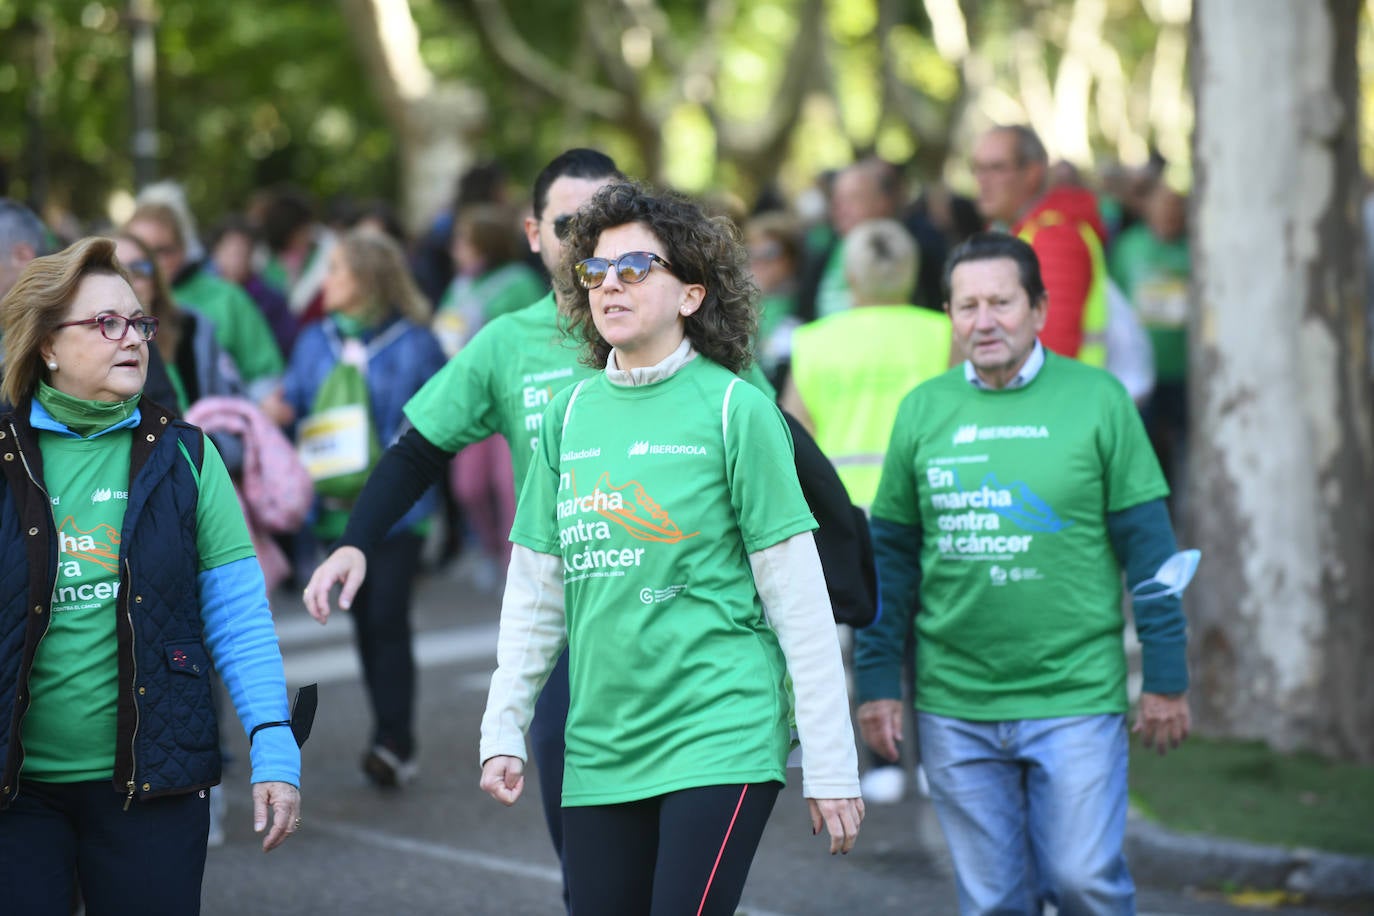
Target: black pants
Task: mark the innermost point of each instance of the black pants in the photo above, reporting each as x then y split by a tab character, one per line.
147	860
546	743
381	630
687	852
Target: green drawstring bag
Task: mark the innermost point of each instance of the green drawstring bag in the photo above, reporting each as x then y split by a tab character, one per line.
338	441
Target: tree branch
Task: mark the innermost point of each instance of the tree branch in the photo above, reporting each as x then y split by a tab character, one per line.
516	55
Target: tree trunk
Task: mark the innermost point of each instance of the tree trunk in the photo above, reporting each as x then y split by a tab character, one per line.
1282	451
432	120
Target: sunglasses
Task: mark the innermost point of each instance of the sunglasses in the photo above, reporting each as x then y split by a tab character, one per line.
560	226
630	267
140	268
114	327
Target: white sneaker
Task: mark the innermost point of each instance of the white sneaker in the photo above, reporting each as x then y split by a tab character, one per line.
386	770
883	785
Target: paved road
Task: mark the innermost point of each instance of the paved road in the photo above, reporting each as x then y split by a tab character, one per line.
442	847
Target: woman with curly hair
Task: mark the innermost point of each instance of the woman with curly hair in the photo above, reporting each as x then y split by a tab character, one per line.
662	536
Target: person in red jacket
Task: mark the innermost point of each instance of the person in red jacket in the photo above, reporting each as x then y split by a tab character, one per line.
1061	223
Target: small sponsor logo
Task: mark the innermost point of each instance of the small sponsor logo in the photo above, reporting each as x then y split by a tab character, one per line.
998	575
659	595
105	494
972	432
645	448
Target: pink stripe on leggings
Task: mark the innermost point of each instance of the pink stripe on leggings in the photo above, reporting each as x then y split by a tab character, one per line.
728	830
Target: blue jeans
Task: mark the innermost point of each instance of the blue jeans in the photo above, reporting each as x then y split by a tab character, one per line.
1033	810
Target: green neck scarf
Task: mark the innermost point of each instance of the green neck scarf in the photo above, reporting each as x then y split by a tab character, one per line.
353	327
85	418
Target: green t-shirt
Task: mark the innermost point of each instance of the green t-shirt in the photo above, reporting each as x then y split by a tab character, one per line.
67	737
1020	613
500	383
1154	276
240	327
502	380
654	496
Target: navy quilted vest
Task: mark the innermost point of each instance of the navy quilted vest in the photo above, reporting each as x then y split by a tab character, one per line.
167	740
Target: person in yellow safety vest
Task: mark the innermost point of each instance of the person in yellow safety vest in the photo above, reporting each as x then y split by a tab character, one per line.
1061	224
851	370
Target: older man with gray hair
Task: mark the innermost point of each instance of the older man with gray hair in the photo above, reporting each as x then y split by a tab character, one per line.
22	238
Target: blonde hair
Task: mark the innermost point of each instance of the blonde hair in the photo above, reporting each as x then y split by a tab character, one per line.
880	262
39	302
384	280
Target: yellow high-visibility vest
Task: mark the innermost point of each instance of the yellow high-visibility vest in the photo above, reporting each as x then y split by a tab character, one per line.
852	371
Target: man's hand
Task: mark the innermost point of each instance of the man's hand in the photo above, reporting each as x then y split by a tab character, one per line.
503	778
841	817
1163	721
283	800
347	565
880	723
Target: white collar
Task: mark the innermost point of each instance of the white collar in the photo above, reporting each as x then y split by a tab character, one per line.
1029	370
649	374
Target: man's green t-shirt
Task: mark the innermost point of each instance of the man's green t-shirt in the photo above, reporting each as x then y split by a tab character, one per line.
1020	610
240	327
68	736
500	383
654	496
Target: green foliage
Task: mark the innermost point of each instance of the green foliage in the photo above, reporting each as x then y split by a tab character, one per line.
248	94
255	92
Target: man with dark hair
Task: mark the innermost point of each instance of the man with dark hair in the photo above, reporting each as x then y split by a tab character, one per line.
1064	227
497	384
1017	489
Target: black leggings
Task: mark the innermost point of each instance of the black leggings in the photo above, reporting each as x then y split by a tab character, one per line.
686	852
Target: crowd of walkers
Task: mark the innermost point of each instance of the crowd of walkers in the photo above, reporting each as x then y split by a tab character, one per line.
688	438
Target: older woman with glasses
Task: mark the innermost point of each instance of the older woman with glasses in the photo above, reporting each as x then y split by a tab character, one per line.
131	573
662	535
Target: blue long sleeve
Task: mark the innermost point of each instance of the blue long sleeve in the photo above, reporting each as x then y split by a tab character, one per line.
1143	538
878	648
243	643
